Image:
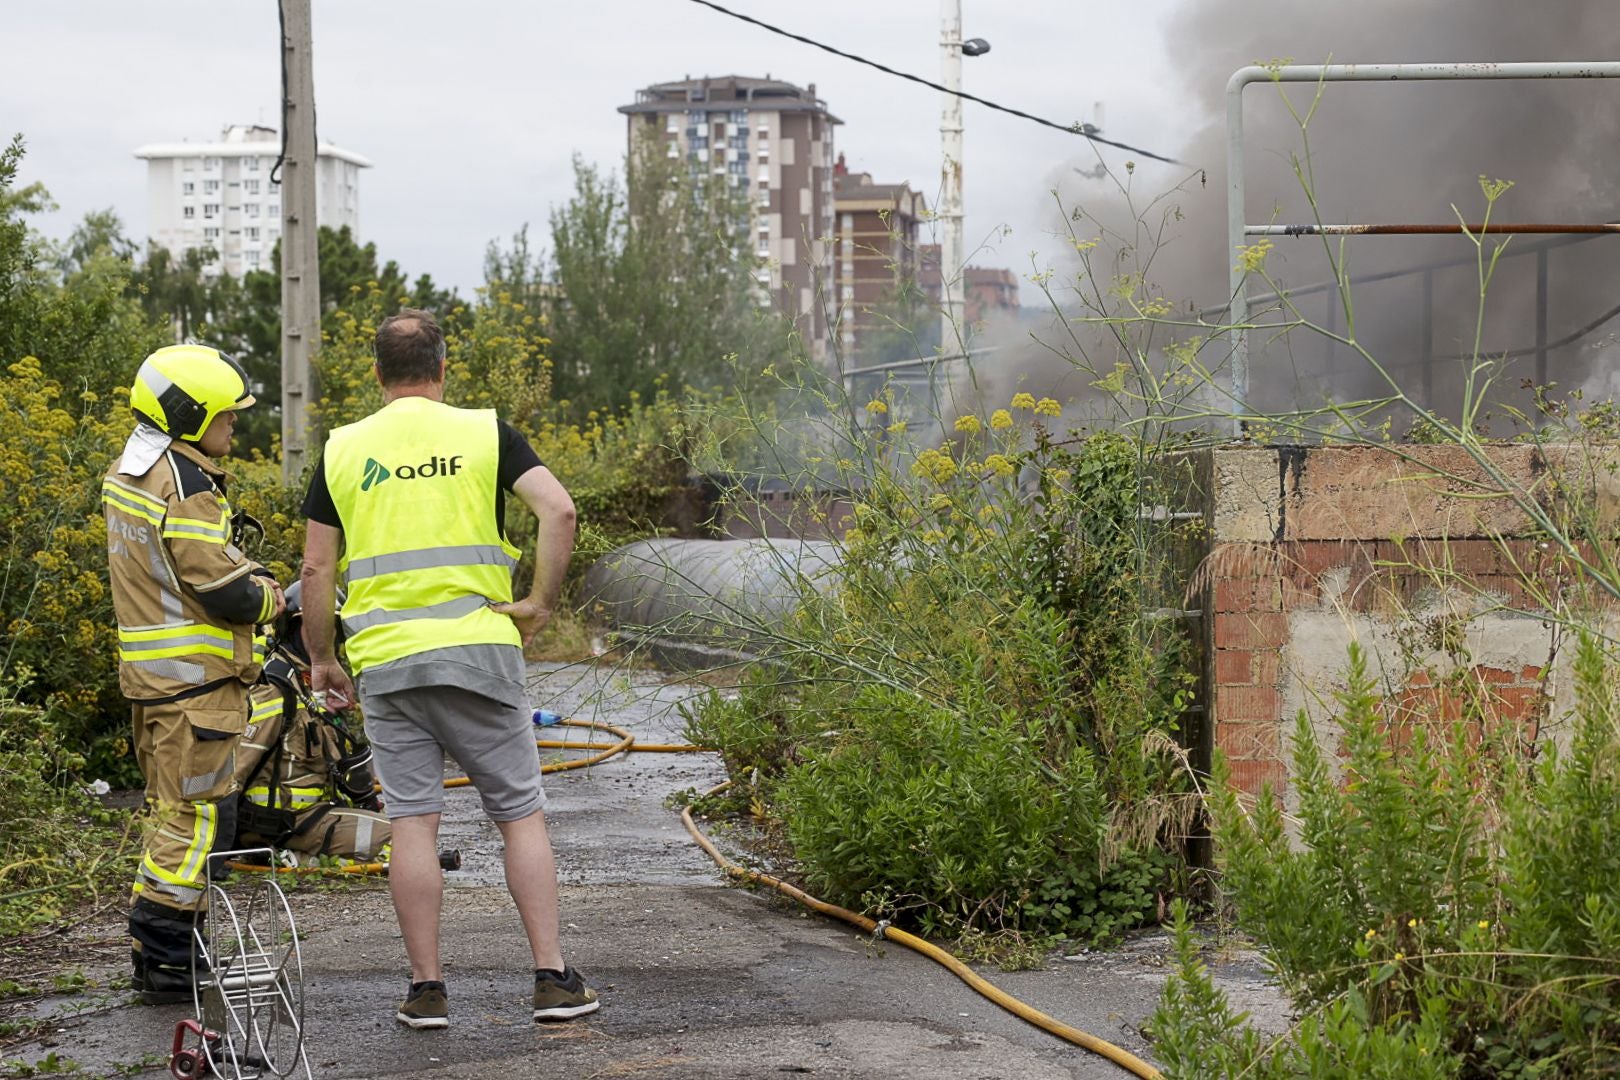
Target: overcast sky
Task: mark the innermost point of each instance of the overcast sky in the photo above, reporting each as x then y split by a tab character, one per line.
472	112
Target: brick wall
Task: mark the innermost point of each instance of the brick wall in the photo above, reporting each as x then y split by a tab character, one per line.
1446	593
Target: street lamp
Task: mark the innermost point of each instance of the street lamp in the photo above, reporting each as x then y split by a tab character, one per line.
951	274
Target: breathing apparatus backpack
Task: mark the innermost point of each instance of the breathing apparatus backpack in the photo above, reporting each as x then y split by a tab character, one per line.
348	774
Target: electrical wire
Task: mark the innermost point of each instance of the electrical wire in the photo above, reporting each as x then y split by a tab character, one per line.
1072	129
281	19
286	101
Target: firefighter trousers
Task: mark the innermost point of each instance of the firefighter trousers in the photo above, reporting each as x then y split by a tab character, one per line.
327	828
186	750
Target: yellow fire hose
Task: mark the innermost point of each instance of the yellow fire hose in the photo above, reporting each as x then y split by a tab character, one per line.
1121	1057
601	752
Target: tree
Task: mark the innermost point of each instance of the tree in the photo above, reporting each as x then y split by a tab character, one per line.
84	325
177	290
101	230
652	284
243	316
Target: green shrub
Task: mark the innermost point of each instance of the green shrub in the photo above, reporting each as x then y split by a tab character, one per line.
58	845
934	809
1197	1035
972	728
1451	901
58	648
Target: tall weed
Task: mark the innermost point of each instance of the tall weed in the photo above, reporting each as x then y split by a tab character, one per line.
1452	899
973	727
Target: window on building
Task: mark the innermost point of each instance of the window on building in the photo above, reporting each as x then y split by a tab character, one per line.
274	211
188	211
764	174
210	186
211	210
211	233
188	165
252	209
253	234
250	186
272	235
252	164
672	122
188	187
253	259
210	162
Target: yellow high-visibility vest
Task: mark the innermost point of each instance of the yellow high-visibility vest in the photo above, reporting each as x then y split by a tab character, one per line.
414	485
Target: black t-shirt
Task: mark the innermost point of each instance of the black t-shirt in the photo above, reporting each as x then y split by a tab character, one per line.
516	458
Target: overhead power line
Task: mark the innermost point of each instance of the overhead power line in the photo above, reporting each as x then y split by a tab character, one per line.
1072	129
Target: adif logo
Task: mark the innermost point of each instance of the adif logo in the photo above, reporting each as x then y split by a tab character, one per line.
376	473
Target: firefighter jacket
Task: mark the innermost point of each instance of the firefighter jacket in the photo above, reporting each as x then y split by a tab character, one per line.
414	485
185	597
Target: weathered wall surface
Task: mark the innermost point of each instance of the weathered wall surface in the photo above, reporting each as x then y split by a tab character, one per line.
1444	585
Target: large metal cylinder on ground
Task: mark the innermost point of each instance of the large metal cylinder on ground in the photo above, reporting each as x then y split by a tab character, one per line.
699	602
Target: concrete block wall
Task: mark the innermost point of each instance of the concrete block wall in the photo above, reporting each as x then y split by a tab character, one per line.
1311	549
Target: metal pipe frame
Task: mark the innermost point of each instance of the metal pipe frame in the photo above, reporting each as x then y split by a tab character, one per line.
1237	227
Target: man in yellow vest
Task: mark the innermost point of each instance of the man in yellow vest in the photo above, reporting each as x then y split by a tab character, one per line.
187	601
408	504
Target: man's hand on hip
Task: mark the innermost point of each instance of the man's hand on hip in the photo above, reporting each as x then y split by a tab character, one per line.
529	614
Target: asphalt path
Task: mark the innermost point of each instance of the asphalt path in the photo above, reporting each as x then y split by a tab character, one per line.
697	978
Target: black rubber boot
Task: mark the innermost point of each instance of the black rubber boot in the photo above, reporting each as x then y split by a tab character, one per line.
166	986
164	957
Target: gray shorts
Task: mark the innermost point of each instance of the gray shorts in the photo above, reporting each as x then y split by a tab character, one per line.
412	730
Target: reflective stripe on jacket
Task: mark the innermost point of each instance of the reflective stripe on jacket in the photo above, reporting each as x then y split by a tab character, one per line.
307	752
414	485
184	596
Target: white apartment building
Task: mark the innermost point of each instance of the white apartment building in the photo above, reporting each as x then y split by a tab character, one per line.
774	141
220	195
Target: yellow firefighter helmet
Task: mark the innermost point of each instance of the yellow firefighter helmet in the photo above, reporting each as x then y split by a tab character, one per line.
181	388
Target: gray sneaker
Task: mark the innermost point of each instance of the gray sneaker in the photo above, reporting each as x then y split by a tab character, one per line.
426	1006
562	997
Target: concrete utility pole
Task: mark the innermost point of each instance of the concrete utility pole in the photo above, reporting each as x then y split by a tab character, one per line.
300	261
950	177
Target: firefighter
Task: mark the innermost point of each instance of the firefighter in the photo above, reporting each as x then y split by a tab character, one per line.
187	601
306	786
